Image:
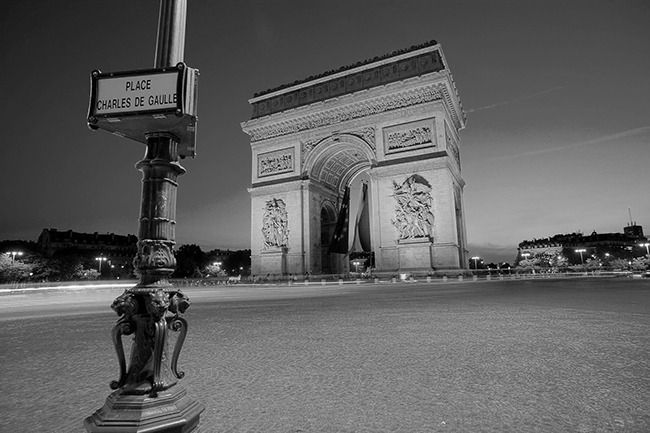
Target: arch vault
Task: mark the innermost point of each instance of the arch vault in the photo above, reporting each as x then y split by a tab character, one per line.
392	121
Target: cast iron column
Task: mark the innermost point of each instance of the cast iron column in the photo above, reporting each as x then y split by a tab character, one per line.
147	396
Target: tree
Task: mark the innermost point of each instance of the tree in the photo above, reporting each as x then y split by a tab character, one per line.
70	264
238	263
213	270
191	261
593	264
619	264
545	260
13	271
639	264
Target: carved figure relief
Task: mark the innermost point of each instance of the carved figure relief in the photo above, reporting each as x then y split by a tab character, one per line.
275	224
307	147
367	134
408	138
413	215
278	162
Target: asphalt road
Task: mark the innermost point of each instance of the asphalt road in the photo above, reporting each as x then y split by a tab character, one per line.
518	356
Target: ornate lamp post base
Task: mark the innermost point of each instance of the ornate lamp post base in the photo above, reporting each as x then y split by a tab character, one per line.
147	397
172	411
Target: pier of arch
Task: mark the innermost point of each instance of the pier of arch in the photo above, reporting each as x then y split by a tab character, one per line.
392	121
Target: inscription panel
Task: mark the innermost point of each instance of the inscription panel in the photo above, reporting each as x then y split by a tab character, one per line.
409	136
277	162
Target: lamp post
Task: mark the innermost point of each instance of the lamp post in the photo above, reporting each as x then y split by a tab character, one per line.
147	395
100	260
13	255
647	248
525	255
356	266
581	250
476	259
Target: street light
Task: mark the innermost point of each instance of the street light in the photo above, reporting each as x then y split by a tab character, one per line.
475	258
13	255
646	245
525	255
356	266
100	260
582	250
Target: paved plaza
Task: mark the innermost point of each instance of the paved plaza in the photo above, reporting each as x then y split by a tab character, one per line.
567	355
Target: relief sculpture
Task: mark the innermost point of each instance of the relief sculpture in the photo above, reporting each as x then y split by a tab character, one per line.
412	137
275	225
276	164
413	210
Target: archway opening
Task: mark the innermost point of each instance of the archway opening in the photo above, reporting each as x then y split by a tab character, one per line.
339	166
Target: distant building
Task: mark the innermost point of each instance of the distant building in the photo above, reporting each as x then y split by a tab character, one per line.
219	256
119	249
631	237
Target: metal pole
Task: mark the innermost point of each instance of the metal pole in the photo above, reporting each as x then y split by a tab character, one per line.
147	397
170	43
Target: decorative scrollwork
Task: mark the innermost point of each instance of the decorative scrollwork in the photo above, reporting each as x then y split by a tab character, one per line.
147	316
177	324
160	335
154	254
353	111
124	326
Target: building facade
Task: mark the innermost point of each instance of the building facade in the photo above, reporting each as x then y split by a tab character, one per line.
390	123
630	239
119	249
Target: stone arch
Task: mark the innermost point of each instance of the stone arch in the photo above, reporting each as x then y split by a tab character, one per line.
390	118
338	158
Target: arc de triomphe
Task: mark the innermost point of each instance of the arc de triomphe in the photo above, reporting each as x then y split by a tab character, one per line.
391	122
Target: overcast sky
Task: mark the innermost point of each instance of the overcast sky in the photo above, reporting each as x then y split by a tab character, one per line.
556	93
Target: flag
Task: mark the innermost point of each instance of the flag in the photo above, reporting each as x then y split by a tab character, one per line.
361	240
339	243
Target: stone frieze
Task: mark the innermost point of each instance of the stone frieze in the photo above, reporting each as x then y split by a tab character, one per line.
350	112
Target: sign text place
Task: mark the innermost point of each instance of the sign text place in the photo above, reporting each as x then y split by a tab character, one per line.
124	94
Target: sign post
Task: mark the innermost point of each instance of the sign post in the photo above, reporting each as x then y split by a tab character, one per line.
156	107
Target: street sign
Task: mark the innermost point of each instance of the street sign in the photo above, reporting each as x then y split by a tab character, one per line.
133	104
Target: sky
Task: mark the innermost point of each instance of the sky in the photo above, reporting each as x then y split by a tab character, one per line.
556	93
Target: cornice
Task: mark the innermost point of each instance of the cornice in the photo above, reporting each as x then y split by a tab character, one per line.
303	119
395	56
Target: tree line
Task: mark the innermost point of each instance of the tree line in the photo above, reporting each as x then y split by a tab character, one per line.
72	264
611	258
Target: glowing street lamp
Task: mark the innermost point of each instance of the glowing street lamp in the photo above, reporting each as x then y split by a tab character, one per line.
525	255
581	250
646	245
13	255
100	260
356	266
476	259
